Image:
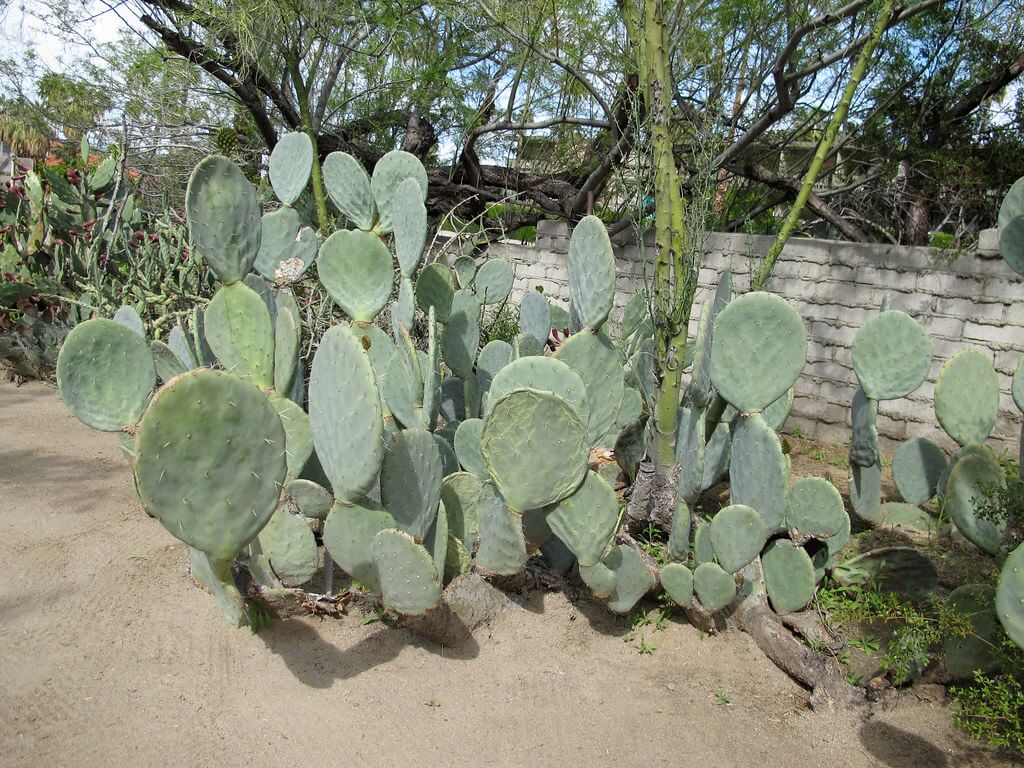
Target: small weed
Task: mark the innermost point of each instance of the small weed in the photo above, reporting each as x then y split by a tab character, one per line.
853	678
432	703
722	699
650	542
867	645
919	631
642	619
798	433
814	644
991	709
258	616
377	615
664	615
644	648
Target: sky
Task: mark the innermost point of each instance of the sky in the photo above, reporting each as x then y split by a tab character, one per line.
21	28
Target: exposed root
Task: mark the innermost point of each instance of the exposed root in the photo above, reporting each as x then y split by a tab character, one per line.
818	674
810	627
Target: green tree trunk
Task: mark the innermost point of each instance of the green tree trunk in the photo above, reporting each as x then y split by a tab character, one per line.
860	68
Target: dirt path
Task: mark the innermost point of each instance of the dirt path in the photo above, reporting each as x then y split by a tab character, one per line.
109	656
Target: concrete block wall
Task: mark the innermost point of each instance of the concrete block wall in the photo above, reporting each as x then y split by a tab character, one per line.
973	300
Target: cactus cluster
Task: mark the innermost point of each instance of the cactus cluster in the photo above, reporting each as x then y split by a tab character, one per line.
413	460
417	455
775	536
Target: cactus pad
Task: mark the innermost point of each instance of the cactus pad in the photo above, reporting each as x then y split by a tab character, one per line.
1010	225
409	582
967	396
288	544
348	186
967	450
223	217
591	272
410	225
345	414
758	349
465	270
969	481
738	534
355	267
467	447
916	467
864	442
891	355
965	655
216	576
449	462
586	520
677	581
535	316
594	359
788	576
286	348
1010	596
716	456
700	389
599	578
129	318
526	345
543	373
435	288
815	508
298	436
461	334
633	579
348	535
240	333
105	373
461	494
535	448
715	588
703	549
502	550
678	544
903	570
211	461
410	480
690	450
896	513
388	174
310	498
493	281
866	491
436	541
457	559
492	358
168	365
182	347
777	412
758	471
400	393
286	247
290	164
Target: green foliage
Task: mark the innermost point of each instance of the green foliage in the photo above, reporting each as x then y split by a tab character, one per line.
991	709
500	324
918	630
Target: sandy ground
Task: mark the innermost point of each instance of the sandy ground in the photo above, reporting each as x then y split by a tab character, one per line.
110	656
